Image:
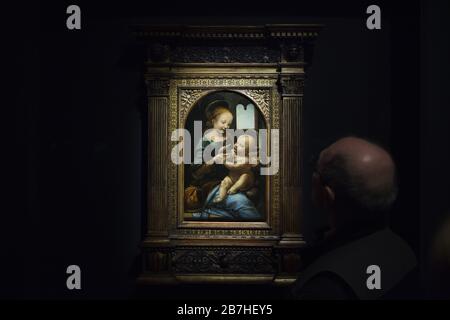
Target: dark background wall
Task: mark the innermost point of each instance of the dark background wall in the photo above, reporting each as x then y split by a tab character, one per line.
78	105
435	129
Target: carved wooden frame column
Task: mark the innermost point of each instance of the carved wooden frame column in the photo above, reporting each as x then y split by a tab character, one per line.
156	245
158	106
291	87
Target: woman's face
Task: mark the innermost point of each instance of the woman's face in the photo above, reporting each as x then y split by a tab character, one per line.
223	121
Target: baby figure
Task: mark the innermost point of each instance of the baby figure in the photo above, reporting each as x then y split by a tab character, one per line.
240	176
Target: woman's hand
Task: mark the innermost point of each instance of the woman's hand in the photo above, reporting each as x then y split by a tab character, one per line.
219	159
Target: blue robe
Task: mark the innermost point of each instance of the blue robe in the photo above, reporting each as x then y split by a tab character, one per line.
234	207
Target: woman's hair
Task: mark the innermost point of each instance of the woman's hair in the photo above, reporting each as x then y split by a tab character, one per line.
214	109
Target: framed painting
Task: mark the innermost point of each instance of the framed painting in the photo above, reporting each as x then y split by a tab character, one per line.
217	191
224	152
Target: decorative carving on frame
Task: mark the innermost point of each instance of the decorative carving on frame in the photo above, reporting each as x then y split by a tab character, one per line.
157	87
262	98
275	183
220	54
223	260
222	81
292	85
183	94
289	259
292	51
188	98
158	52
225	234
158	260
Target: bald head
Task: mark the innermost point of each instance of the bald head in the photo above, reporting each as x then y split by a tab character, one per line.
361	175
365	162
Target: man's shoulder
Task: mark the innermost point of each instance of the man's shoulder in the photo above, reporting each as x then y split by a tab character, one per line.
350	262
324	286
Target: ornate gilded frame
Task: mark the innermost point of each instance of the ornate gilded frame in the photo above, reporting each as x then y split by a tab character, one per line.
184	93
266	64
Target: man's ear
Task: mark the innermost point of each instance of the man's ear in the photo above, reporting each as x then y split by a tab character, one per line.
329	197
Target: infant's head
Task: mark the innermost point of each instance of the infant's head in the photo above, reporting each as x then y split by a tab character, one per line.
245	146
